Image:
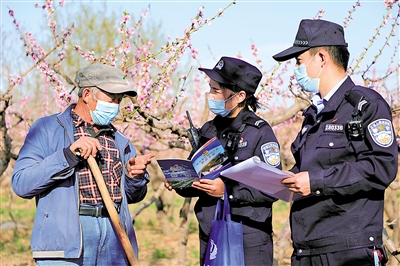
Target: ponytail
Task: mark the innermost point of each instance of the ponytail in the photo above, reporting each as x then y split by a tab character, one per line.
250	103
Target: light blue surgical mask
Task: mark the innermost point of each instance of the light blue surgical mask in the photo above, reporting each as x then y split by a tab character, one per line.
218	106
104	113
306	83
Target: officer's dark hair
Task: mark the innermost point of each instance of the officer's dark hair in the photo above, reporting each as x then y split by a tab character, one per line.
251	102
339	54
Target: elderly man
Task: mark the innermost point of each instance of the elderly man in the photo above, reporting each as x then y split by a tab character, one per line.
72	226
345	155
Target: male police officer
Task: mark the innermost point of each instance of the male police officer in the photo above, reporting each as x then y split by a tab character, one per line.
345	155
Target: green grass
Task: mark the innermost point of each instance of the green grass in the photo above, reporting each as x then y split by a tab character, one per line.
195	253
145	244
4	199
150	223
19	244
160	253
178	201
193	226
23	210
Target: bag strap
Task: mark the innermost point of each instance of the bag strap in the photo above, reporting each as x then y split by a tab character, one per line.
223	208
218	211
226	213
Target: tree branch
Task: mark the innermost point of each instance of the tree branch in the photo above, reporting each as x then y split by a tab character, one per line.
299	105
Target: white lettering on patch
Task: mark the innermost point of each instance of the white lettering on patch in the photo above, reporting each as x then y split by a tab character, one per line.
334	127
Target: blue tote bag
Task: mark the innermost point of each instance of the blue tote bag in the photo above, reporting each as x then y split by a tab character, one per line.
225	245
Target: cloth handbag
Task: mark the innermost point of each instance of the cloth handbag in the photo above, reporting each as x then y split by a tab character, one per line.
225	245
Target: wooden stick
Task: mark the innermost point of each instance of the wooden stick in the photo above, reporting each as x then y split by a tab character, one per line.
98	176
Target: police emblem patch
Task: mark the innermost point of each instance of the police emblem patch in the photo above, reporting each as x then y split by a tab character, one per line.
270	152
220	65
381	132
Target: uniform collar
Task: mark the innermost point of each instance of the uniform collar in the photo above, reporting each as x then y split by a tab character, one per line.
235	123
336	98
334	89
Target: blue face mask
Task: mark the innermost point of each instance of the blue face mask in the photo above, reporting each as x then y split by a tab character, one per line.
218	106
306	83
104	113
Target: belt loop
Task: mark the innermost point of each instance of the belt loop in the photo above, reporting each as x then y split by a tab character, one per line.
97	211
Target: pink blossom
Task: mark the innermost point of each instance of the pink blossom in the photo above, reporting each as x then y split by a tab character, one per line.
125	19
194	53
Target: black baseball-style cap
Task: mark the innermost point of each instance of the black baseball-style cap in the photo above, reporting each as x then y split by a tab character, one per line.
313	33
234	71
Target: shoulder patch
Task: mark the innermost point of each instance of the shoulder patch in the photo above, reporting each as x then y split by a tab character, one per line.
270	152
381	132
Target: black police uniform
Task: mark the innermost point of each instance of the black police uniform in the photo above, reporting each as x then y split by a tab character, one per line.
248	205
342	219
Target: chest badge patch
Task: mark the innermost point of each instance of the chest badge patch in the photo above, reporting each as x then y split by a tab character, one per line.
333	128
270	152
381	132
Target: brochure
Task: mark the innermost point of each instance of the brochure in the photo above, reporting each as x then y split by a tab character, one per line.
207	162
255	173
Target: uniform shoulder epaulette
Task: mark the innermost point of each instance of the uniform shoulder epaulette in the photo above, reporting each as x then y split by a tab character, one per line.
355	99
255	122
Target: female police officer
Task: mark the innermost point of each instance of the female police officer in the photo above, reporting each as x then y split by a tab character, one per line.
233	83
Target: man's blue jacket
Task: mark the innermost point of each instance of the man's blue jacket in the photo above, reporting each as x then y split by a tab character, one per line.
43	172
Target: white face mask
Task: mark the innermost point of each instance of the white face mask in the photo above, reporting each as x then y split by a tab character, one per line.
104	113
306	83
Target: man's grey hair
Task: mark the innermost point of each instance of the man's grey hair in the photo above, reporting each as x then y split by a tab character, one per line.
95	90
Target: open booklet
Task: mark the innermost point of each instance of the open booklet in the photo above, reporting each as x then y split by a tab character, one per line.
255	173
207	162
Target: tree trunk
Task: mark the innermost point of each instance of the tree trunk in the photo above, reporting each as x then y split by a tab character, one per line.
5	141
183	231
282	245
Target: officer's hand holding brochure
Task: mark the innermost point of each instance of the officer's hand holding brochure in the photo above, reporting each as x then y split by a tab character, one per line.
208	161
255	173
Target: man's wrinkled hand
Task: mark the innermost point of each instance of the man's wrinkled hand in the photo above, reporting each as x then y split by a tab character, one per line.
86	146
137	166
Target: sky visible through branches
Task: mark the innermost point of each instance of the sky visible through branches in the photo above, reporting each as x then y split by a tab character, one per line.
268	25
